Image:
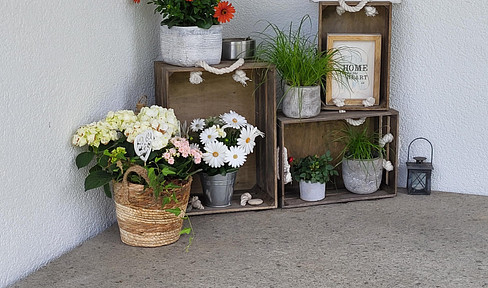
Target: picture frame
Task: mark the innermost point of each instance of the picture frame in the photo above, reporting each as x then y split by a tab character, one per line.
361	56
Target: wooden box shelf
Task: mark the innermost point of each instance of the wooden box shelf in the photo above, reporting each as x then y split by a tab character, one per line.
303	137
216	95
360	23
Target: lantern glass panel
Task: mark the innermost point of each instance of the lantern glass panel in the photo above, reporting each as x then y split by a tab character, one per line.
418	182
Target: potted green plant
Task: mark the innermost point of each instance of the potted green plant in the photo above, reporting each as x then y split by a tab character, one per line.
362	162
150	167
312	173
225	140
301	66
190	30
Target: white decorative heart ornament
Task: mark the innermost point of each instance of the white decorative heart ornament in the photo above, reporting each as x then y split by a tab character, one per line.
143	144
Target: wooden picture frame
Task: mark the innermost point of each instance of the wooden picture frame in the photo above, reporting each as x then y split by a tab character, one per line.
362	60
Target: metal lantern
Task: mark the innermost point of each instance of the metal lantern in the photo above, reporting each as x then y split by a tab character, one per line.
419	172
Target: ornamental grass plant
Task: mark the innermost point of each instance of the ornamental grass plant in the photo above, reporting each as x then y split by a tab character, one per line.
360	143
296	56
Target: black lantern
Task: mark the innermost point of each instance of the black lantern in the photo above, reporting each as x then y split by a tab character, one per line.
419	172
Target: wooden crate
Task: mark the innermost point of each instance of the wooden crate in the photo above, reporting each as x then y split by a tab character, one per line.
331	22
316	135
216	95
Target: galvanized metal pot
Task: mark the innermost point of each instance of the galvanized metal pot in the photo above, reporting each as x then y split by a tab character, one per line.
362	176
218	189
301	102
185	46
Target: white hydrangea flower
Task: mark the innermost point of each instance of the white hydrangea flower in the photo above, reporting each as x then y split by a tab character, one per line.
120	120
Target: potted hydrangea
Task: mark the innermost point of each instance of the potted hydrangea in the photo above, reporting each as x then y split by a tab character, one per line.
149	145
226	141
190	30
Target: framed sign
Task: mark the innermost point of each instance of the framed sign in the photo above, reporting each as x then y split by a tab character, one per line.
361	56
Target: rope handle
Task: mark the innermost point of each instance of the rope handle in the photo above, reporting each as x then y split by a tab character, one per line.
220	71
356	8
139	170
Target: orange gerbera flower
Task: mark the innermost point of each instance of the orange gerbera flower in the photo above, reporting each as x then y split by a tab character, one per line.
224	12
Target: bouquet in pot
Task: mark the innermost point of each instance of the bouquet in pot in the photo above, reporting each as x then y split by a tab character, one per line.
168	158
225	140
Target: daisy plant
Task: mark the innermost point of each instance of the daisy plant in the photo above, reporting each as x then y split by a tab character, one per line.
201	13
225	141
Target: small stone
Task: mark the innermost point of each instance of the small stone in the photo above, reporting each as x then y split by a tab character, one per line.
256	201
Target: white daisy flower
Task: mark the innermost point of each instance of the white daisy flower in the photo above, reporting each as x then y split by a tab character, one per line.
209	135
234	120
221	132
197	125
247	137
236	156
214	155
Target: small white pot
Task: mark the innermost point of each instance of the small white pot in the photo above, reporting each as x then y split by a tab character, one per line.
185	46
301	102
311	191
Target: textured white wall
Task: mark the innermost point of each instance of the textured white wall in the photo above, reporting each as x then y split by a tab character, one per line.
439	85
67	64
63	64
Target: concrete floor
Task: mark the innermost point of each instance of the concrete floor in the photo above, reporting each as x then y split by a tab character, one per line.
439	240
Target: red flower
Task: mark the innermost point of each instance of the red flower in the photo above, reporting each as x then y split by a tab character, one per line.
137	1
290	160
188	0
224	12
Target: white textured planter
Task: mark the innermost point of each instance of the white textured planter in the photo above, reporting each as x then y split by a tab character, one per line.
185	46
362	176
311	191
301	102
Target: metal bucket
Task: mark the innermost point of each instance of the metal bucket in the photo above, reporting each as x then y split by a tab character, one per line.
235	48
218	189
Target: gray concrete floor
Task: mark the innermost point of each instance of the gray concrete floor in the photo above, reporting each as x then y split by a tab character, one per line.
439	240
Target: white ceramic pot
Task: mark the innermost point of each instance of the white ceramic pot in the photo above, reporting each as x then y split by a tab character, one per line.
311	191
301	102
185	46
362	176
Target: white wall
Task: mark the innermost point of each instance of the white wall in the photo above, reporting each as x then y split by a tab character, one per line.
439	85
64	64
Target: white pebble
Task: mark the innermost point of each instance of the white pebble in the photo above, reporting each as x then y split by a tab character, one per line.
256	201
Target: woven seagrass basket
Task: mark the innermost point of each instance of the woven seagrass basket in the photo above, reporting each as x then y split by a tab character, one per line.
142	220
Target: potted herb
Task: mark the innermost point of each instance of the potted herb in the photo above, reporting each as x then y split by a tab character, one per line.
362	162
312	172
302	68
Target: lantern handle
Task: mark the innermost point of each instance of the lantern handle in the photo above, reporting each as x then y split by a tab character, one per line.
431	148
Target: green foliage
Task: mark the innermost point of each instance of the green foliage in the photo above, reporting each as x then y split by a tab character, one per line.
296	57
313	168
186	13
360	143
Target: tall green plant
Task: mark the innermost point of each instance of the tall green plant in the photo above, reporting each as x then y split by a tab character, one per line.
296	56
360	143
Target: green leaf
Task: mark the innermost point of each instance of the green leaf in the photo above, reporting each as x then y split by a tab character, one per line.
97	179
176	211
185	231
84	159
106	189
